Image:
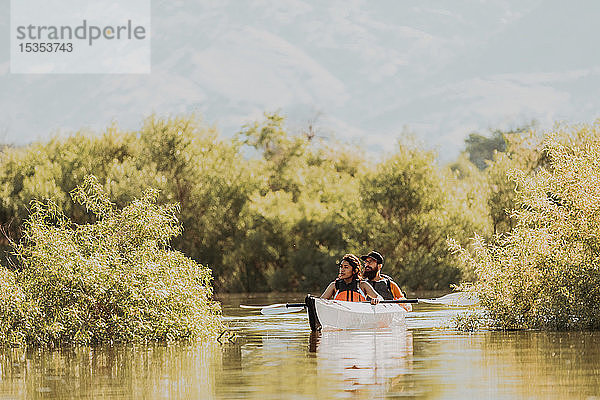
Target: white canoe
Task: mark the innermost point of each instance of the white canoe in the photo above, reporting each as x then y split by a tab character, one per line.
338	314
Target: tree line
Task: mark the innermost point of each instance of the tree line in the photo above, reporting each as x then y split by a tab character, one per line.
122	236
268	210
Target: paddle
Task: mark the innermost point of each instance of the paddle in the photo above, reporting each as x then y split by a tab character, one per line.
458	299
285	308
282	308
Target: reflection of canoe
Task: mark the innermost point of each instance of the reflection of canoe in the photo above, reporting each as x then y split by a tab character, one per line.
369	363
352	315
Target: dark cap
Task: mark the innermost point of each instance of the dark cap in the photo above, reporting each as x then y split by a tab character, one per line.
374	255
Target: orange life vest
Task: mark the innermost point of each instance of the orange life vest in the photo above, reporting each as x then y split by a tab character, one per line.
348	291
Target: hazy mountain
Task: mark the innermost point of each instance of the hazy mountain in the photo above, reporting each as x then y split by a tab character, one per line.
368	70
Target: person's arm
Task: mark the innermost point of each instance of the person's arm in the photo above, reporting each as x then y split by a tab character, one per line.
328	293
397	293
368	289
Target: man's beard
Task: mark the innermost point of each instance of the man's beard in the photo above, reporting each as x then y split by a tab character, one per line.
370	274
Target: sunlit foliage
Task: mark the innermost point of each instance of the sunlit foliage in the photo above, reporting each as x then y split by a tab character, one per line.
112	280
413	205
303	215
545	272
268	209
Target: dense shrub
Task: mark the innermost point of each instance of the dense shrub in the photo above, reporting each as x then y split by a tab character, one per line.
112	280
545	273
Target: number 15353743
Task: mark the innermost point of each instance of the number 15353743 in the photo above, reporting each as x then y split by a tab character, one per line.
45	47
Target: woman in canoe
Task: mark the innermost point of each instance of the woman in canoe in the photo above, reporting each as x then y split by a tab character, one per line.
349	286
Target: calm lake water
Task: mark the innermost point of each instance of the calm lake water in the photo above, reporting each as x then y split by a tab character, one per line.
277	357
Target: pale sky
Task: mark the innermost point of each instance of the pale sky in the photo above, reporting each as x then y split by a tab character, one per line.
370	70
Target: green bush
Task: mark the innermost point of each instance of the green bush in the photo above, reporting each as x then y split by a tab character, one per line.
112	280
545	273
12	309
468	321
412	206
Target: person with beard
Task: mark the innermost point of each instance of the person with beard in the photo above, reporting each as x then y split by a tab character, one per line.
383	284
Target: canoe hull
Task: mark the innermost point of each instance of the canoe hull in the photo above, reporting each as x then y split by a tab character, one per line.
336	314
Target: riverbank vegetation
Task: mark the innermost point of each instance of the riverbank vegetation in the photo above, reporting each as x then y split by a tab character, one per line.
267	209
271	209
544	273
111	280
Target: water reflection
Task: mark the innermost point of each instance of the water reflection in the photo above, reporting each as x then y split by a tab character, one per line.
551	364
121	372
507	365
278	357
363	363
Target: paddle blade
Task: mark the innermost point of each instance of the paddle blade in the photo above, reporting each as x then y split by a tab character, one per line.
279	309
458	299
260	307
